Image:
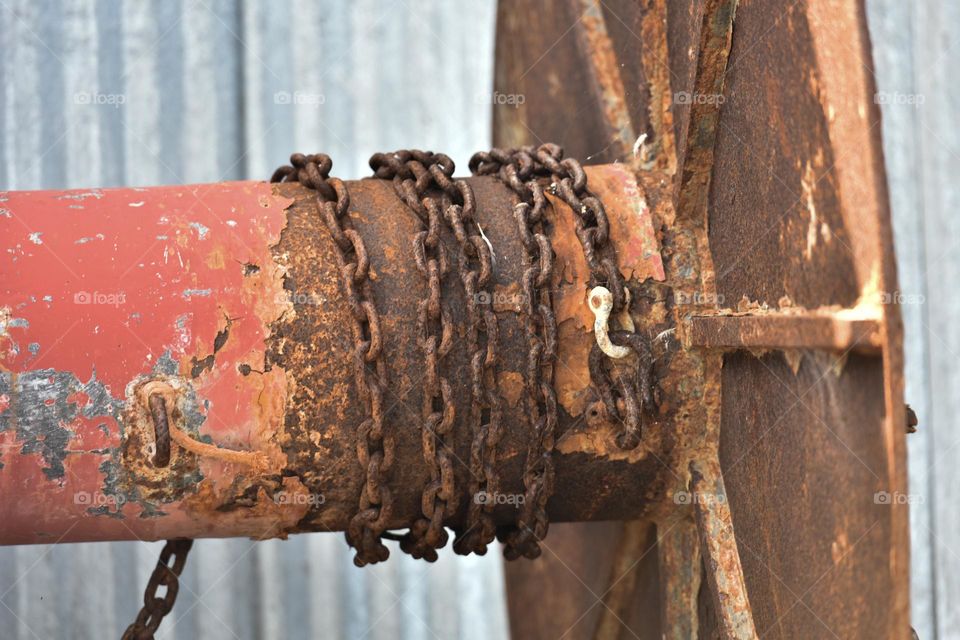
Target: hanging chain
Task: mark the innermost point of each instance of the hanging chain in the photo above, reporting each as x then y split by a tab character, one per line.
634	393
375	448
516	168
413	174
166	575
423	181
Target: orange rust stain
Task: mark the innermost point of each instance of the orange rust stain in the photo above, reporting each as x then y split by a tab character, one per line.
269	516
215	259
654	54
254	299
510	384
570	272
638	252
631	232
631	223
598	440
571	375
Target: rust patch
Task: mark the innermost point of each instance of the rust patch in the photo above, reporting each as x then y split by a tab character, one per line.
598	51
510	384
638	251
598	438
660	152
267	515
631	233
571	378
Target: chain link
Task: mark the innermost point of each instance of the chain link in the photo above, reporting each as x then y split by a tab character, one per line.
423	181
636	393
415	178
568	181
166	575
517	169
375	447
475	268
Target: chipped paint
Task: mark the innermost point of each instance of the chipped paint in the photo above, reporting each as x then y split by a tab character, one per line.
70	367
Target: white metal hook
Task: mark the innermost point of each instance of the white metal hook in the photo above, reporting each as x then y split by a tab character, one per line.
601	303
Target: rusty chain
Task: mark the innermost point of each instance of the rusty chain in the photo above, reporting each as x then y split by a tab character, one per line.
516	168
375	447
568	181
414	175
423	181
475	268
635	393
166	575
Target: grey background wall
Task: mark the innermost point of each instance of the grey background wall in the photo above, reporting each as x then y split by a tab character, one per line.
107	93
178	91
916	54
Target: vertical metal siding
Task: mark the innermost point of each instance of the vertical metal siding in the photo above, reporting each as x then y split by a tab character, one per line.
893	37
199	81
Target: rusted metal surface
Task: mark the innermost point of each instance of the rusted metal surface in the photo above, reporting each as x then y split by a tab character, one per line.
807	219
517	170
684	251
636	542
706	99
678	547
719	547
759	222
233	306
375	451
785	331
604	78
818	259
583	584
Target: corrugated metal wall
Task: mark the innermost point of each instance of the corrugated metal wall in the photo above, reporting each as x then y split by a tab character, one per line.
177	91
917	59
172	91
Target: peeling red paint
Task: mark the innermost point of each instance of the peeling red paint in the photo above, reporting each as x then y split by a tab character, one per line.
157	259
102	285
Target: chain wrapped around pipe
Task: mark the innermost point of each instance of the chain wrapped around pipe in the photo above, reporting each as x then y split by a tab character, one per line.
414	177
568	181
516	168
423	181
475	262
475	268
375	447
